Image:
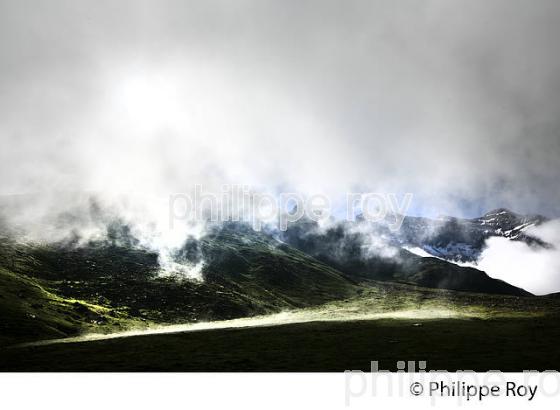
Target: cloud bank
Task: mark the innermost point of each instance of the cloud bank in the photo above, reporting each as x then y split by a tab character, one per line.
454	101
532	268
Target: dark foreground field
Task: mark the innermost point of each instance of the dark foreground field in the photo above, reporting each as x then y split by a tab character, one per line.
507	344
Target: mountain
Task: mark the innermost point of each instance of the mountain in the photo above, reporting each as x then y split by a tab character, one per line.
61	289
371	254
53	287
29	310
463	240
235	256
64	288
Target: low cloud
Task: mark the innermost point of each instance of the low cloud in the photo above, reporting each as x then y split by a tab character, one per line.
444	99
532	268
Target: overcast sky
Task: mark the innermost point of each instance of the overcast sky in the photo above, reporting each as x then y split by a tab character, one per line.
457	102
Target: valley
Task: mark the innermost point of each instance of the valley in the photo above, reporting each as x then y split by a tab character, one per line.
263	303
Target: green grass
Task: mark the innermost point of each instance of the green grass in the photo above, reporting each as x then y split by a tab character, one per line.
383	297
450	330
450	344
28	311
50	292
246	274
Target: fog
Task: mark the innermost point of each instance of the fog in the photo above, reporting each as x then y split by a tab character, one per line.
456	102
535	269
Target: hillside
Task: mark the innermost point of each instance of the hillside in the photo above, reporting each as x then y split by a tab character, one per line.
367	255
450	330
245	274
28	311
463	240
260	304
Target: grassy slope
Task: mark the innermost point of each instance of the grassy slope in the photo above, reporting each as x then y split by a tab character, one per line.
347	251
244	276
265	269
52	292
436	273
449	344
29	312
491	332
47	292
